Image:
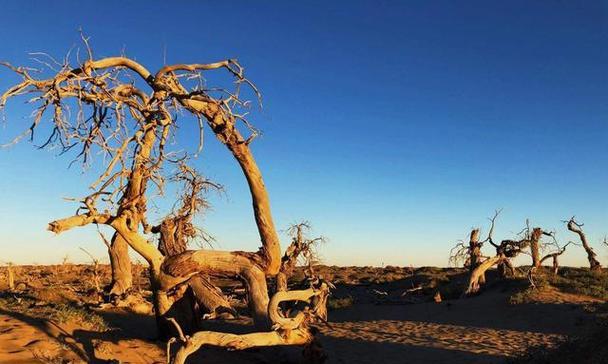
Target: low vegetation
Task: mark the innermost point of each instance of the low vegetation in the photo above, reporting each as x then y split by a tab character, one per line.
58	312
575	281
338	303
581	281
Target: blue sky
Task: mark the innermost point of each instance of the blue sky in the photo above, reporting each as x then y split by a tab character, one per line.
394	127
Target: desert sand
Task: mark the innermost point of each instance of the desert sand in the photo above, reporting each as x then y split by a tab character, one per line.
481	329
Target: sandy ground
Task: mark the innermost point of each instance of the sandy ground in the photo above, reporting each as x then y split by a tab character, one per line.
484	329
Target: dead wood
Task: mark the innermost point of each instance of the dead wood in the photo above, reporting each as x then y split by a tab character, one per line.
576	228
127	114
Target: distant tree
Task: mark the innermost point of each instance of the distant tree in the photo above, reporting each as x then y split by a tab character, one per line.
116	107
471	256
555	254
577	228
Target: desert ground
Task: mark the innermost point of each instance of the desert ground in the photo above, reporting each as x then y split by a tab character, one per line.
55	315
216	147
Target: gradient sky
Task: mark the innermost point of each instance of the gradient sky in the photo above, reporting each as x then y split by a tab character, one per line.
394	127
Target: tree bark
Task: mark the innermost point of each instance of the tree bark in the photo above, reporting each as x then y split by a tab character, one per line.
505	269
197	298
594	264
479	272
10	277
535	247
120	263
475	255
555	264
134	201
287	330
241	342
210	299
223	125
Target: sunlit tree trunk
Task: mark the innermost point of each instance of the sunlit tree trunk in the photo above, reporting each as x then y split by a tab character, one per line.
120	263
475	255
575	227
197	297
535	247
10	272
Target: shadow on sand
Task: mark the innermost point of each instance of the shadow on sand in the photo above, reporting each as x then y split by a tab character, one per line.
483	329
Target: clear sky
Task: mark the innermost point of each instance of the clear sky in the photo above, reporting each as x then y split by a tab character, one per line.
394	127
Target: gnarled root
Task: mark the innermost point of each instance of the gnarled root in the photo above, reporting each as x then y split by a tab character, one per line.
239	342
293	330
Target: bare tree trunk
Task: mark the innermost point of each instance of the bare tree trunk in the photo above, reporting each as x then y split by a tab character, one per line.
122	278
555	264
196	299
555	258
479	272
282	282
175	270
223	125
505	269
162	309
575	227
10	276
475	255
535	247
240	342
257	290
189	304
134	201
209	298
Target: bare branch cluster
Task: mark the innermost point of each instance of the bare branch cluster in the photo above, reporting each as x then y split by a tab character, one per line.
102	107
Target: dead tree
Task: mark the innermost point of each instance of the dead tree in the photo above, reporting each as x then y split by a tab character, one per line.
10	276
470	255
120	264
96	280
198	298
535	246
505	251
576	228
301	247
120	267
508	249
554	256
116	106
287	330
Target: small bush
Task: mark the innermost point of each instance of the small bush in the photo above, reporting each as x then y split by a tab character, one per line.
526	296
338	303
89	319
